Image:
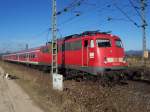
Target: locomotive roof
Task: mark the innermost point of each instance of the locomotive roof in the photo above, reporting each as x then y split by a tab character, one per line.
83	34
86	33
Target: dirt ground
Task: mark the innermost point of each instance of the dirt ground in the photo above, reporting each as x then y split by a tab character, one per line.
14	99
83	96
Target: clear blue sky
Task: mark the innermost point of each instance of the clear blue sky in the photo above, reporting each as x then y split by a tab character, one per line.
27	21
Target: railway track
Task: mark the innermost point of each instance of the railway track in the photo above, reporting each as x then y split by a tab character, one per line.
109	78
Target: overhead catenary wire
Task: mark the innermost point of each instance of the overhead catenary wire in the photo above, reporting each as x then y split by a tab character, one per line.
96	8
117	19
71	6
135	8
41	33
68	20
126	15
79	14
102	9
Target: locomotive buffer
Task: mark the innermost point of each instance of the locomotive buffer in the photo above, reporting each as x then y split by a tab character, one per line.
57	78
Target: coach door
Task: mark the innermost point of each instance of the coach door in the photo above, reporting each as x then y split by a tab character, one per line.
85	53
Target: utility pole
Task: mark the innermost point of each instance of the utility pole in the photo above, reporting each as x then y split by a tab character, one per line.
144	24
57	78
54	39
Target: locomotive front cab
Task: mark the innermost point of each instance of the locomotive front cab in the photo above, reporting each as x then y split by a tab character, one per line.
110	53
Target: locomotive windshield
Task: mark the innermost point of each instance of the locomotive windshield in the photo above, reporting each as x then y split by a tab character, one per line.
118	43
103	43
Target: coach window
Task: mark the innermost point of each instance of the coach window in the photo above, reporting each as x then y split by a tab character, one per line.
67	46
86	43
27	55
78	45
47	49
33	55
92	44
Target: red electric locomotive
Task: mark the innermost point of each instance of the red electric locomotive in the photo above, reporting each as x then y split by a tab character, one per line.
91	52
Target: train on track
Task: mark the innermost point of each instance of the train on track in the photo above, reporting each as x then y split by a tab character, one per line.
92	52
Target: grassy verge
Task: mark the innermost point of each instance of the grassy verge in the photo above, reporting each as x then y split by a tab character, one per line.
39	87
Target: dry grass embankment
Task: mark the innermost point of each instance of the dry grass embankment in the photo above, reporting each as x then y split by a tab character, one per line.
137	61
80	96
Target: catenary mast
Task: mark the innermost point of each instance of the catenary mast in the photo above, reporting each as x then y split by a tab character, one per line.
54	39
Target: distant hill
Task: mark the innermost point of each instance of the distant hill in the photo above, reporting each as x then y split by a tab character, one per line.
1	54
134	52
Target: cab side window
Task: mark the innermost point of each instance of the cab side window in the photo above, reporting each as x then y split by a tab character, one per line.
46	49
85	43
91	43
118	43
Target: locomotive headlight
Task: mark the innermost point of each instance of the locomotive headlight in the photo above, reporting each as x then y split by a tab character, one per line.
110	60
